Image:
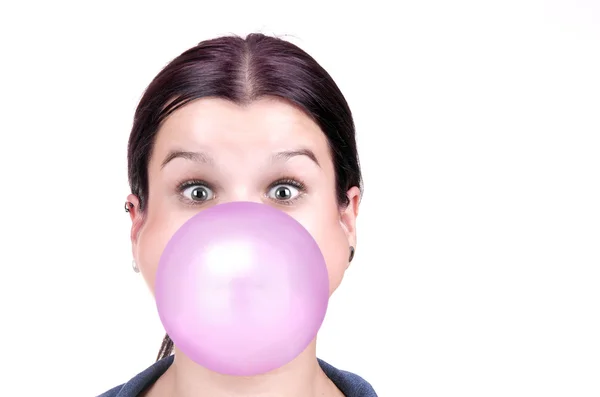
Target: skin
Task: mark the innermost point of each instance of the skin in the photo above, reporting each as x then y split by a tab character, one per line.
237	146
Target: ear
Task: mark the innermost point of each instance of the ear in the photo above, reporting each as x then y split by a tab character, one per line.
132	206
349	214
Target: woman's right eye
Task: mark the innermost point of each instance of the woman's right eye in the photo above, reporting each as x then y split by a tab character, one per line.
198	193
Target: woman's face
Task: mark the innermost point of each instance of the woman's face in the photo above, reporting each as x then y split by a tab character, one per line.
212	151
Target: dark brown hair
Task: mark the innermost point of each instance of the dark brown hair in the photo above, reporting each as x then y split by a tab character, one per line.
242	70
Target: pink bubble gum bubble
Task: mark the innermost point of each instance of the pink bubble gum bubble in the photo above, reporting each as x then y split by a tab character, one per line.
242	288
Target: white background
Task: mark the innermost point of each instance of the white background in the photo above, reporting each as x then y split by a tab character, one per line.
477	269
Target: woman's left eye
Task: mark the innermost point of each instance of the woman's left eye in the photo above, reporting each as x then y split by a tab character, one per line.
283	192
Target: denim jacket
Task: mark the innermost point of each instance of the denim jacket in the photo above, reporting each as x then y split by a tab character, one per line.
350	384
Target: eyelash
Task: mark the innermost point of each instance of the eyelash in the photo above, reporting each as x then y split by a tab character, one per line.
296	183
182	186
192	182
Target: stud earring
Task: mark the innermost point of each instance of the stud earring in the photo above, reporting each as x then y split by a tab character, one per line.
128	206
134	266
351	254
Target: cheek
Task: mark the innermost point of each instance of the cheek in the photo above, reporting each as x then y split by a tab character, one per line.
322	223
333	243
152	240
335	250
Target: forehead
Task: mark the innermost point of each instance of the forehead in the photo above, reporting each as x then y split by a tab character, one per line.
220	126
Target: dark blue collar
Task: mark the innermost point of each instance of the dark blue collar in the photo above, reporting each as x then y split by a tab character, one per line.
350	384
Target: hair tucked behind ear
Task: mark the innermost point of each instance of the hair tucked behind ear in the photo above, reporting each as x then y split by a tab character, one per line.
242	70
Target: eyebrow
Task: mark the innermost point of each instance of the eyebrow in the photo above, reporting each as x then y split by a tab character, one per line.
200	157
288	154
197	157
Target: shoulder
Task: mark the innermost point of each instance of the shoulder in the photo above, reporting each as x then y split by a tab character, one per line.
141	381
114	392
349	383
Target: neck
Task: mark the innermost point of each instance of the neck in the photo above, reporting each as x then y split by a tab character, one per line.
301	377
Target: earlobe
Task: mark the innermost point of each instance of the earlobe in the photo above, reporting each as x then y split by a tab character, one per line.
132	206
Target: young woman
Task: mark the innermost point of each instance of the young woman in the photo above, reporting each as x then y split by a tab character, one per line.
210	129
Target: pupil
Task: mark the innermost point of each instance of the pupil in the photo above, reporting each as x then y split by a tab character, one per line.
199	194
283	193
